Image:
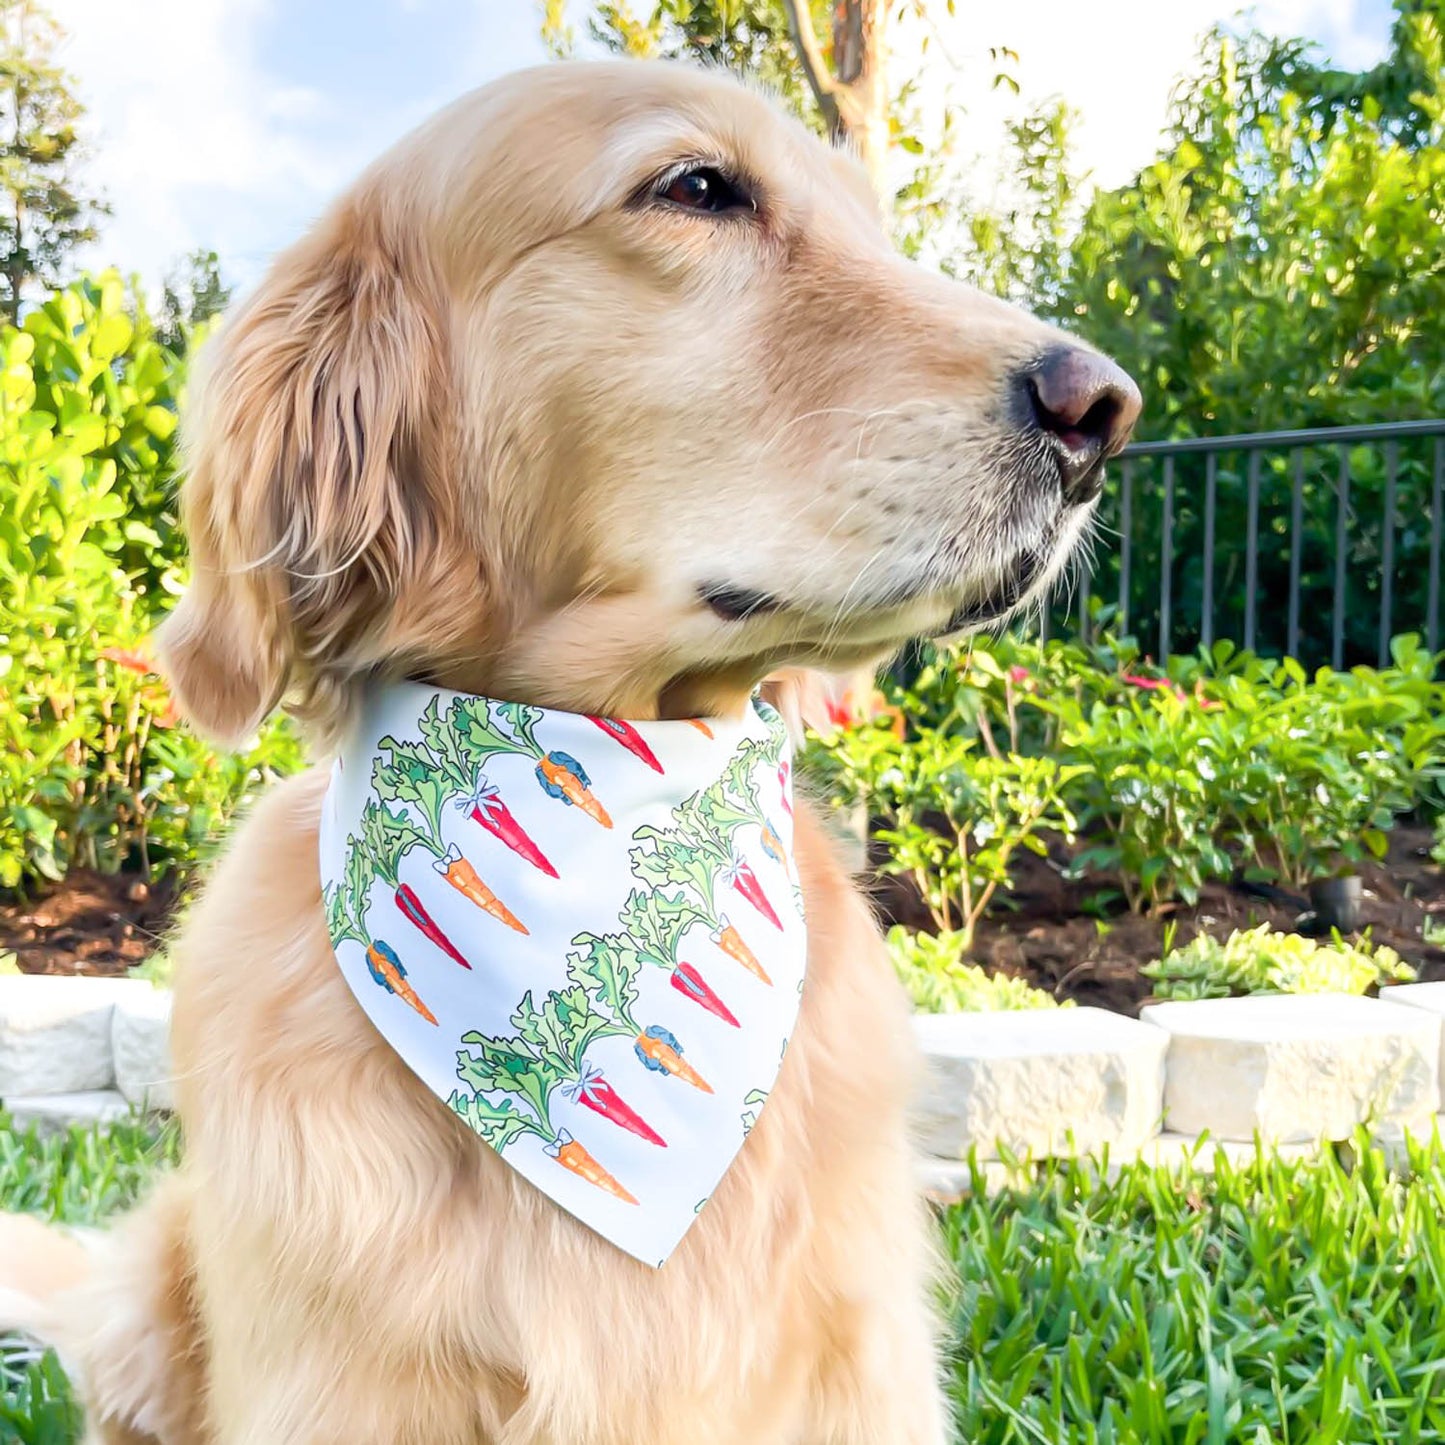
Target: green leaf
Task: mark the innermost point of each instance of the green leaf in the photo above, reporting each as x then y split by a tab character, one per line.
498	1124
607	969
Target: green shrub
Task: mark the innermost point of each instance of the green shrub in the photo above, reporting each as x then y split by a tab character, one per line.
91	770
1222	762
1147	790
931	968
952	819
1259	960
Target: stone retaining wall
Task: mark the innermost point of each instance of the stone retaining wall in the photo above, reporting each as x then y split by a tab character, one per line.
1293	1070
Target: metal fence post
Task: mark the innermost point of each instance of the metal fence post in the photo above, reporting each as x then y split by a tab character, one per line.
1166	560
1211	483
1342	514
1125	503
1432	601
1387	549
1251	552
1296	511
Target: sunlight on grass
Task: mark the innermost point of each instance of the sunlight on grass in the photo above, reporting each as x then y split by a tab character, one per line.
1267	1302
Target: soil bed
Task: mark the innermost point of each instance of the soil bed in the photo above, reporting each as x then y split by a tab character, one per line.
1071	937
92	923
1076	939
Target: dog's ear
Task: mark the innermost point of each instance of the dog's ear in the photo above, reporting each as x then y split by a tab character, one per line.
318	456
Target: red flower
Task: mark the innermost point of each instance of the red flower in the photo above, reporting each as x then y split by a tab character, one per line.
130	658
1018	675
1154	684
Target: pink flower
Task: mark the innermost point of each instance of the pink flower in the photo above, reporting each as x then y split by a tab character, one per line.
1155	684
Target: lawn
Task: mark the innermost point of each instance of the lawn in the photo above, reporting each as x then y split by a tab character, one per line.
1264	1302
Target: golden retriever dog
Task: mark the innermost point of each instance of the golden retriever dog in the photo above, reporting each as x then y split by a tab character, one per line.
603	390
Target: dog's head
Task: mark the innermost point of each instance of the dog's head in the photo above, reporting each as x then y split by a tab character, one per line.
604	390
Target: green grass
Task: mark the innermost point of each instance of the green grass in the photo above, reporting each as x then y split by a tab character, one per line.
1271	1303
1300	1303
80	1177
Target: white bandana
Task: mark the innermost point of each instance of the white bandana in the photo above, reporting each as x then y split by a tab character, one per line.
585	935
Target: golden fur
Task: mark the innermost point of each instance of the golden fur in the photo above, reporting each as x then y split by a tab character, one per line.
495	423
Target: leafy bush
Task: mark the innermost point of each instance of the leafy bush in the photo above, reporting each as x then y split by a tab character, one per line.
931	968
1223	762
1259	960
92	772
951	819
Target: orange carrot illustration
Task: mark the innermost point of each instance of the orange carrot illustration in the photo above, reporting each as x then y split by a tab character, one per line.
659	1050
571	1155
731	942
562	775
385	967
463	877
701	726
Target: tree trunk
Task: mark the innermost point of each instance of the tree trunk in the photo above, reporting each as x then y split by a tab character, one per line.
853	94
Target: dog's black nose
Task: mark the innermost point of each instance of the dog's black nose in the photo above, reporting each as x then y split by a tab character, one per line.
1089	406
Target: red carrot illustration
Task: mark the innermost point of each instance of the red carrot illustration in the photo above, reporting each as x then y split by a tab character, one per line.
742	878
785	773
630	739
429	774
485	806
595	1093
688	981
414	910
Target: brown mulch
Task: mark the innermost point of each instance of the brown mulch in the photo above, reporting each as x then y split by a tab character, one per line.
92	923
1062	935
1070	938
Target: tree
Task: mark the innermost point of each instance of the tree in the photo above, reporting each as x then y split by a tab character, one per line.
194	292
45	214
1278	266
842	83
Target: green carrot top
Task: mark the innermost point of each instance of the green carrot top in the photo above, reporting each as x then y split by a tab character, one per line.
387	836
656	922
424	774
667	857
607	970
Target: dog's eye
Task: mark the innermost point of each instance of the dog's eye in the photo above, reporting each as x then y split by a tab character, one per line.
704	188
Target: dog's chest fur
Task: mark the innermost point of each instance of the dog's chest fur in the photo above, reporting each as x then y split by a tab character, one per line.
430	1285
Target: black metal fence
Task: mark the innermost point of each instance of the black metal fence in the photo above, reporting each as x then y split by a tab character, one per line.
1317	544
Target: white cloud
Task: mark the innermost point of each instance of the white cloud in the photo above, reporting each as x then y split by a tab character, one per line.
193	144
1117	65
198	141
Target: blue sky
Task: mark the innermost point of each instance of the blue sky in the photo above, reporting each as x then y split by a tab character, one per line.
230	123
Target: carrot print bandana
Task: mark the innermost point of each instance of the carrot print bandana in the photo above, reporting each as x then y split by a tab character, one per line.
584	935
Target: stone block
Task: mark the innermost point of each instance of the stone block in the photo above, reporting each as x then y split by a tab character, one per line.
1297	1067
1427	996
140	1044
52	1113
1038	1082
55	1033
